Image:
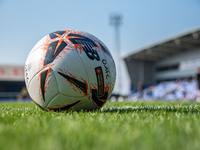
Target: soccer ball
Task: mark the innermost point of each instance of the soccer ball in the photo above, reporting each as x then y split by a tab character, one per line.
70	69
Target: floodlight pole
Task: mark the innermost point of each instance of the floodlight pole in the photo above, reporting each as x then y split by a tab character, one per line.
115	20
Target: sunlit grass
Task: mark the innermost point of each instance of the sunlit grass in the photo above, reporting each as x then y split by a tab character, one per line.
125	125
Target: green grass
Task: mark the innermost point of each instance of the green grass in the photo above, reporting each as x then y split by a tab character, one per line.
117	126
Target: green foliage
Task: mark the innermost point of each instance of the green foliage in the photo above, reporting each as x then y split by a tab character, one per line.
116	126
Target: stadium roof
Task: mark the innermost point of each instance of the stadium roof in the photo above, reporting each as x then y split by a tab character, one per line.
11	73
174	45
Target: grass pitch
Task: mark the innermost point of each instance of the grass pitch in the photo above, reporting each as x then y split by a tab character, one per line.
117	126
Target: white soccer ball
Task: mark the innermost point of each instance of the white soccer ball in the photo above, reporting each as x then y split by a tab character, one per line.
70	69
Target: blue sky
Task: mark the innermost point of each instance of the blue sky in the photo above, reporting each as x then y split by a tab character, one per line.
24	23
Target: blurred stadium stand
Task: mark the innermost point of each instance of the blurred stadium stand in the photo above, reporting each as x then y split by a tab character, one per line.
11	81
171	59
